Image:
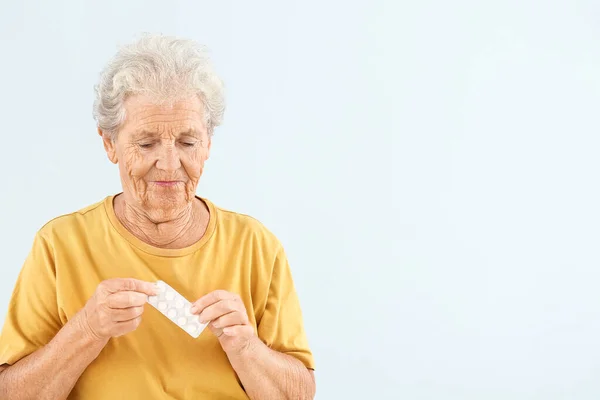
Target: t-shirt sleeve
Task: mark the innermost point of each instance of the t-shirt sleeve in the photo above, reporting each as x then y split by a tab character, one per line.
281	326
33	318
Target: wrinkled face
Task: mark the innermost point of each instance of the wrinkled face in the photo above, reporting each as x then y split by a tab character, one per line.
160	150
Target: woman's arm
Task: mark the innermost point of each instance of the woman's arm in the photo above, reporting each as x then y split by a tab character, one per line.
268	374
264	372
52	371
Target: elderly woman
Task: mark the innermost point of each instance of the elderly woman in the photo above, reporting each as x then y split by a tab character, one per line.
80	324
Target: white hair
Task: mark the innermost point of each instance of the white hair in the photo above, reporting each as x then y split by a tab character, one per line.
165	68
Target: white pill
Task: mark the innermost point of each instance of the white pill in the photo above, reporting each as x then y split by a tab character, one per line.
190	328
187	311
152	300
179	304
170	296
172	313
162	305
181	321
161	285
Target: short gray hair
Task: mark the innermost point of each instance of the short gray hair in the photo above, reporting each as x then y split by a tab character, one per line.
165	68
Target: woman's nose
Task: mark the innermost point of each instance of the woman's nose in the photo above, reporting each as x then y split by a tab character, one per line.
168	159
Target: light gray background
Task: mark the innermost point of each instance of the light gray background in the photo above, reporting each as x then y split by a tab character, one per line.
430	166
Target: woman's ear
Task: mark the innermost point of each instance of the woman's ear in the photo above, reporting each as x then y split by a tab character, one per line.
109	146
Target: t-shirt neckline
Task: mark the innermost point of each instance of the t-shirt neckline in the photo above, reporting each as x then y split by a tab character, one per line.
158	251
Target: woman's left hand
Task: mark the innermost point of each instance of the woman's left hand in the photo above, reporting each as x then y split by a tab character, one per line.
228	319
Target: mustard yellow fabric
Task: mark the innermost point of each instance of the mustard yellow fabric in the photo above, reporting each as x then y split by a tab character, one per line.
73	253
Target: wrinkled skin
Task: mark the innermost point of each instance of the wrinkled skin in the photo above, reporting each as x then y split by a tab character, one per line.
161	151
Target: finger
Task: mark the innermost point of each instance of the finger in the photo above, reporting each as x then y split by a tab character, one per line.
209	299
230	319
216	310
121	328
126	314
130	284
216	331
126	299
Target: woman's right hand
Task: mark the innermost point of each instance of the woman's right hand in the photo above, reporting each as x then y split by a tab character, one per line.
116	307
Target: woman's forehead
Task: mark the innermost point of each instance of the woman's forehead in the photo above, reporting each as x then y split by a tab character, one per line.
147	118
144	106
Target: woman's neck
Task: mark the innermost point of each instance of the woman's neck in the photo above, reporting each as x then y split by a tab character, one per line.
182	231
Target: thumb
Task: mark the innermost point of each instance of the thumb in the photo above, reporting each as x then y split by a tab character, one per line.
216	331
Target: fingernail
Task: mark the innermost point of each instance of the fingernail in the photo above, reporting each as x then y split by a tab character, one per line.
194	309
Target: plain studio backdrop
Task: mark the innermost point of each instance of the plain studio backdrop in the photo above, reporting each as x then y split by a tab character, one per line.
430	167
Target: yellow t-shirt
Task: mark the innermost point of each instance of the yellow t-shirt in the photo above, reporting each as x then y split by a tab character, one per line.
72	254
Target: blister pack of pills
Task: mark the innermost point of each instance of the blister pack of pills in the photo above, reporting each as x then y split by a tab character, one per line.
176	308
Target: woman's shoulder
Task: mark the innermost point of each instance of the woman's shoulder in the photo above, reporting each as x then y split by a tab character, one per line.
76	220
235	223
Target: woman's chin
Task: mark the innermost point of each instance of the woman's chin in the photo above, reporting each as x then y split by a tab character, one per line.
166	208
